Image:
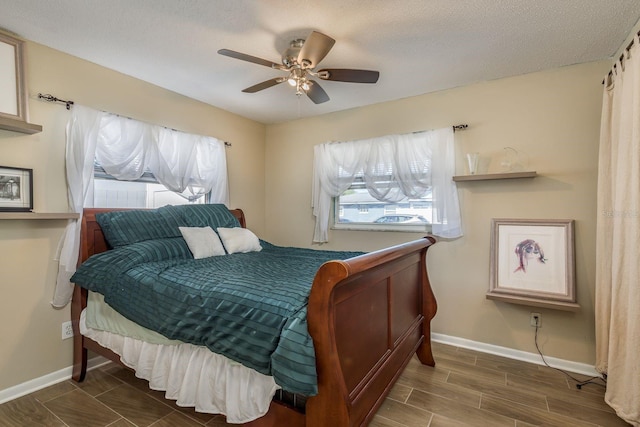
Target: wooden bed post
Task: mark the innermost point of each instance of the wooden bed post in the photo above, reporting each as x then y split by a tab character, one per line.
78	303
328	407
429	309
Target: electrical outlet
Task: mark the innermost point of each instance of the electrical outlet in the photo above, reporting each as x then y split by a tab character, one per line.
67	330
535	320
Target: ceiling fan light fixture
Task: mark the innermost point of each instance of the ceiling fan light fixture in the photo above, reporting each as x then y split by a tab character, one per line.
299	62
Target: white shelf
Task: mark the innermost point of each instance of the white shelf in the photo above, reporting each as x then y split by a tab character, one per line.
491	176
39	215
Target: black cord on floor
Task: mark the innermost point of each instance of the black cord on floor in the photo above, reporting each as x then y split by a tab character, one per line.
579	383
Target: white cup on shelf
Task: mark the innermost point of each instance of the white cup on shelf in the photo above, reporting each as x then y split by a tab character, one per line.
472	162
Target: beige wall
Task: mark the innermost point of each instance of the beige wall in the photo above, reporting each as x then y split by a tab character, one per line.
553	116
30	328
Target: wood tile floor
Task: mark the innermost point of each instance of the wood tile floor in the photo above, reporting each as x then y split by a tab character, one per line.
466	388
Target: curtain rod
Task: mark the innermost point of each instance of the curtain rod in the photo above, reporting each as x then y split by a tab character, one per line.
455	128
626	50
50	98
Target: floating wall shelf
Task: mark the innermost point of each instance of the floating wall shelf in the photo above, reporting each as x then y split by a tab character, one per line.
19	126
39	215
491	176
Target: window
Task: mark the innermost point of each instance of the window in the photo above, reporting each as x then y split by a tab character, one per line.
357	209
127	147
145	192
395	176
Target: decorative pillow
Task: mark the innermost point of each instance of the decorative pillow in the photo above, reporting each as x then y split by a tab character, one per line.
212	215
125	227
203	242
239	240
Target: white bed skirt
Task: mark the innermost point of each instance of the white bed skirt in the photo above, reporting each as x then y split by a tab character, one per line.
193	376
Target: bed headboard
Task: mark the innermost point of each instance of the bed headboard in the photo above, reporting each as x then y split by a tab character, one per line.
92	240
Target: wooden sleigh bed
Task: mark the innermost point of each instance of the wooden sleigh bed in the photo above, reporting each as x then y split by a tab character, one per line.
367	316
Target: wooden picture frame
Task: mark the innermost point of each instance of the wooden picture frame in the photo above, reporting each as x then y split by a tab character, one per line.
16	189
533	263
13	103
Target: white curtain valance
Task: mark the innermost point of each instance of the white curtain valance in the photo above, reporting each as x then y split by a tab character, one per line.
180	161
416	164
126	148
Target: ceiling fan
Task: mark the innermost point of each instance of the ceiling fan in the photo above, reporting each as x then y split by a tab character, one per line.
299	61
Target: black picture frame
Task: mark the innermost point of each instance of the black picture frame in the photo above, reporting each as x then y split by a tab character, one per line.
16	189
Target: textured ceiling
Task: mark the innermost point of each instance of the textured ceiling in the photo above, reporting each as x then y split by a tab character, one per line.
419	46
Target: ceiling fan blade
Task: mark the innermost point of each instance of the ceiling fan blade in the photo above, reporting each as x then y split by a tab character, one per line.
348	75
248	58
314	49
264	85
316	93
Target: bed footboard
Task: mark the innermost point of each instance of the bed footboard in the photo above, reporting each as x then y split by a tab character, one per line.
367	315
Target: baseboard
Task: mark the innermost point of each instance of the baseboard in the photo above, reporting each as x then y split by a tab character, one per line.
46	381
565	365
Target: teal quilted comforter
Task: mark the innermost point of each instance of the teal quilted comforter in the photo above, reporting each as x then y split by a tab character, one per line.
249	307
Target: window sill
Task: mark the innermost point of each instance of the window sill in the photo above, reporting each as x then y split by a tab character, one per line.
351	226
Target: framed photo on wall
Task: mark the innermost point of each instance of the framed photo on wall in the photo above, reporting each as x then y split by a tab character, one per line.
16	189
532	262
12	86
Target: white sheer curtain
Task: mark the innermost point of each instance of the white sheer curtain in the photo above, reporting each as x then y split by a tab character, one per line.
416	163
618	237
125	148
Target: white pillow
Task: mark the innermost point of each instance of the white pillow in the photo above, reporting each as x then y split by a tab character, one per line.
239	240
203	242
